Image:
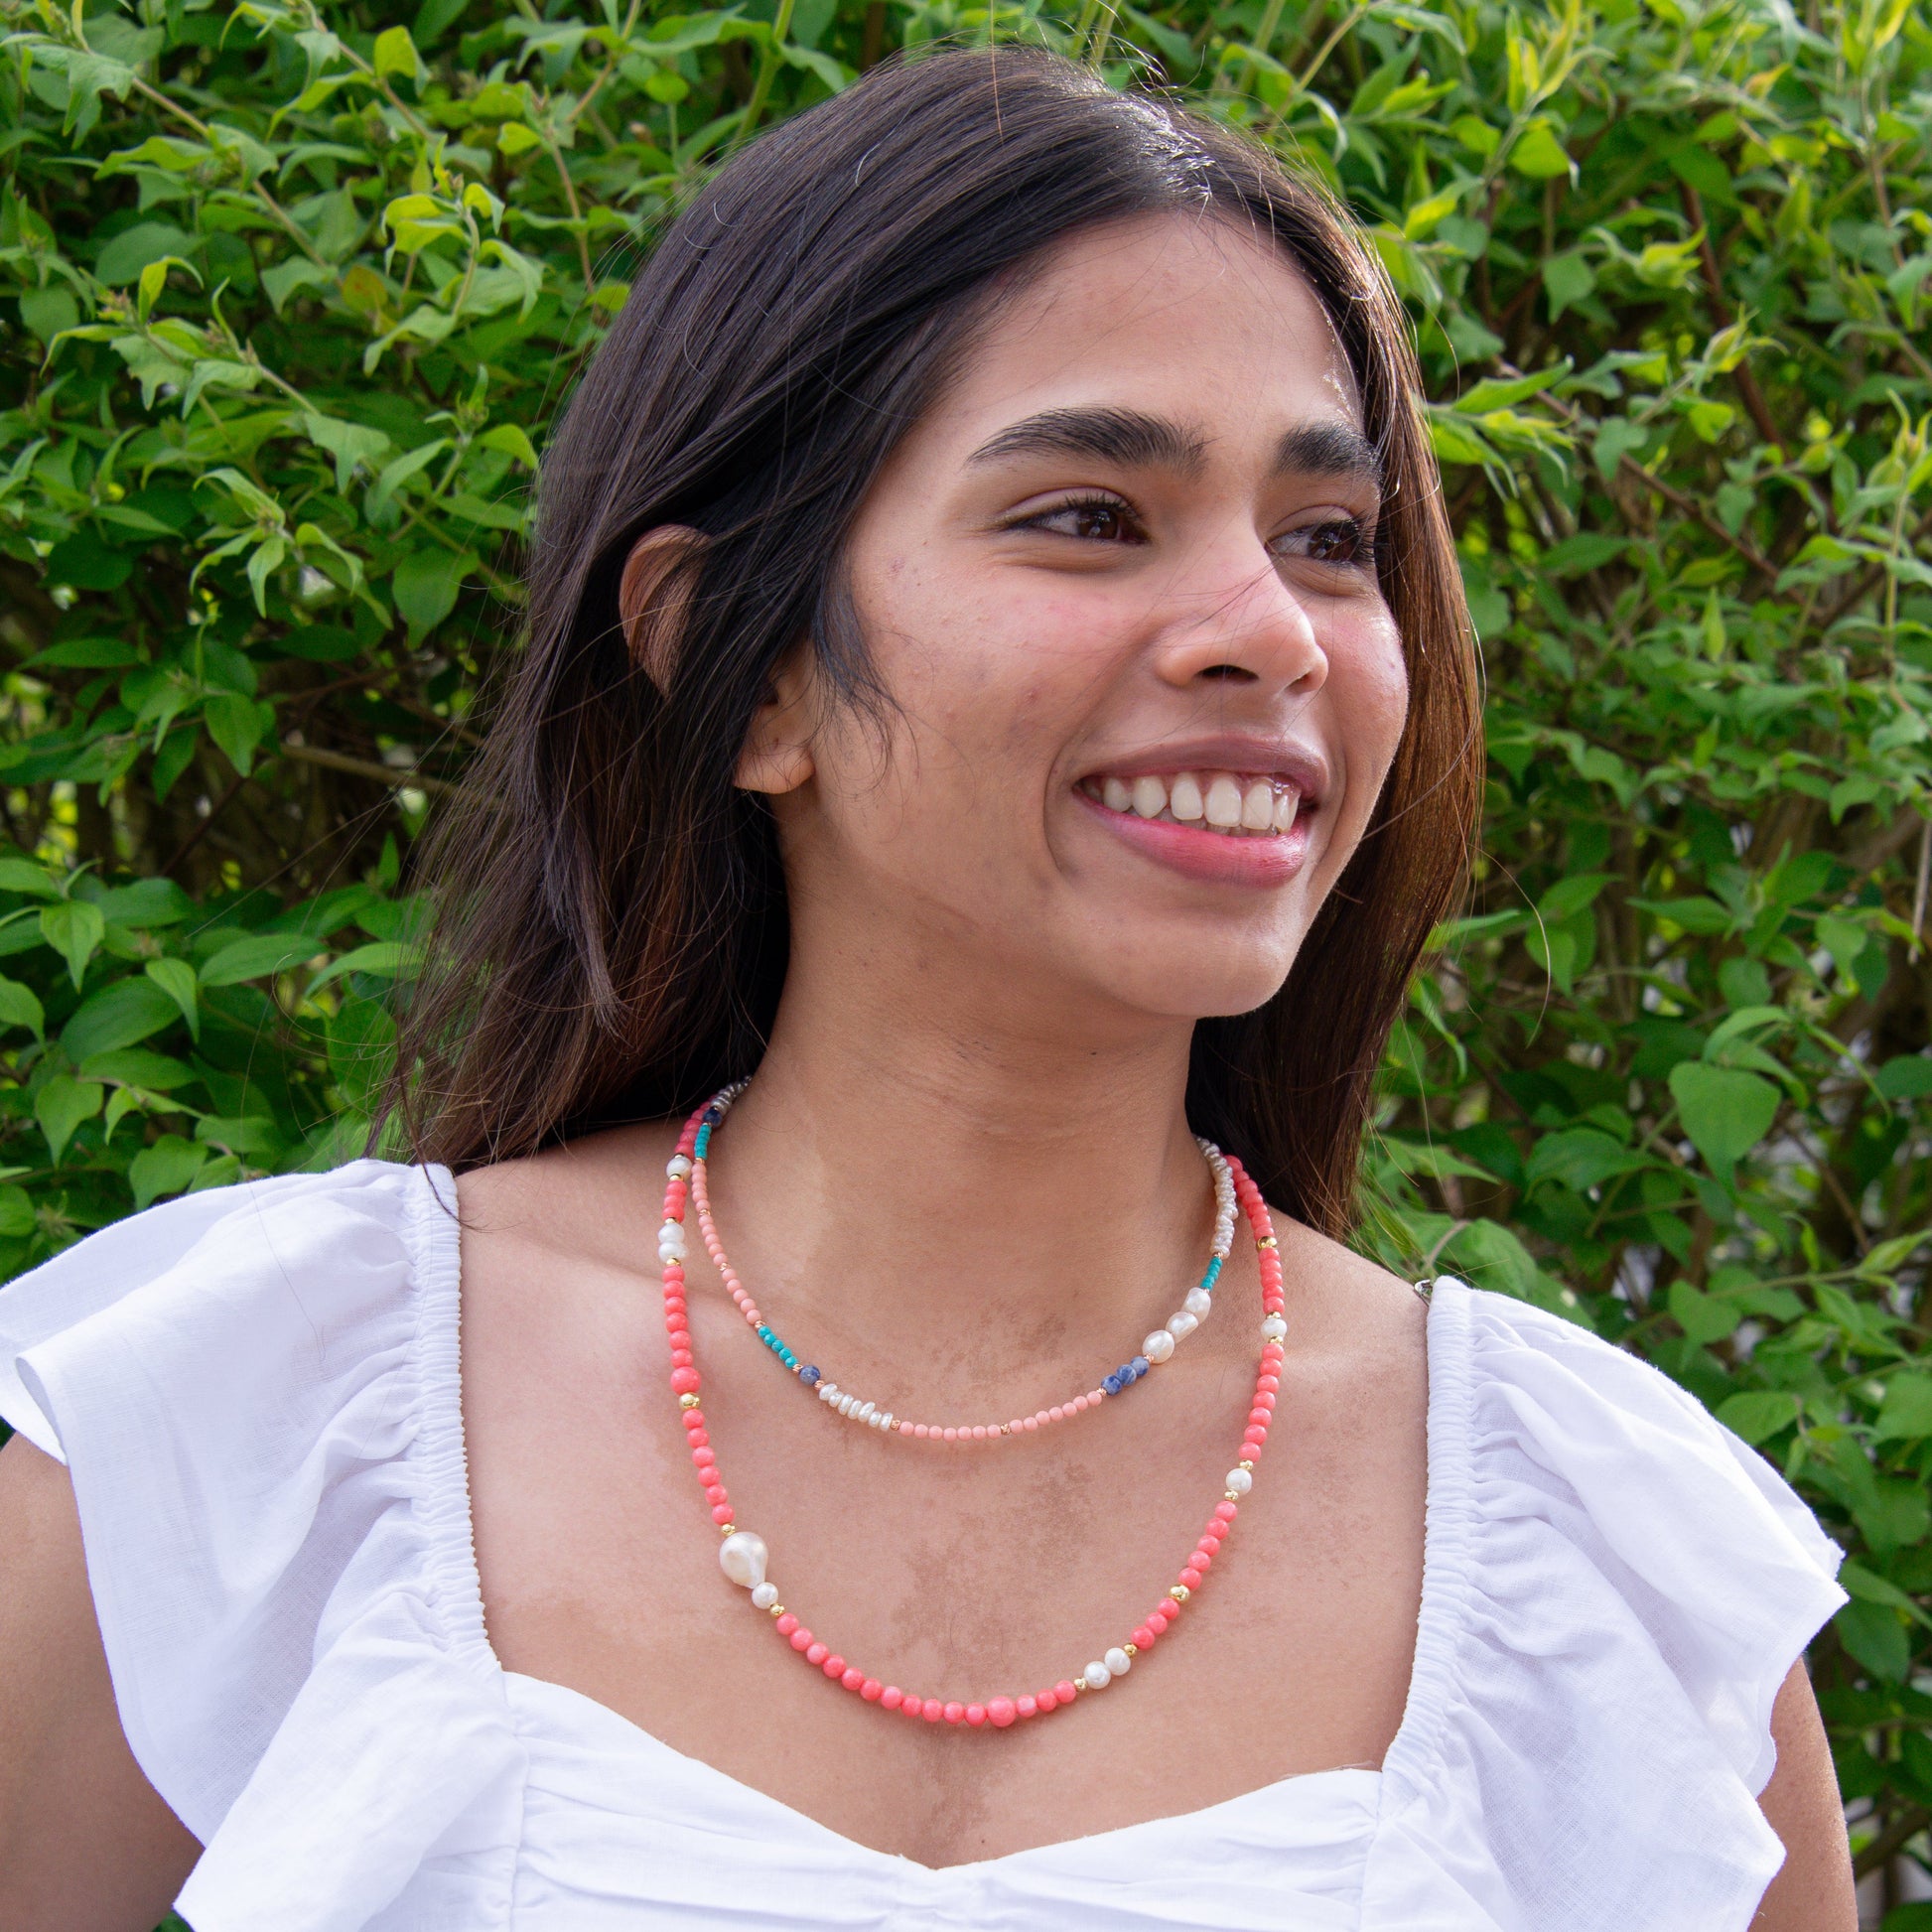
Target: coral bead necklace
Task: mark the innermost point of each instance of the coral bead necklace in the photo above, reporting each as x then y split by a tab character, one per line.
743	1555
1156	1350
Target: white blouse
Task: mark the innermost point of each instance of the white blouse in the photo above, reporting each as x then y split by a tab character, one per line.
255	1391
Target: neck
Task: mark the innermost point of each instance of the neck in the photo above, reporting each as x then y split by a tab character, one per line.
962	1180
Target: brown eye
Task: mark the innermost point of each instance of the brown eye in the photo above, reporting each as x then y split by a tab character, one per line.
1099	520
1342	540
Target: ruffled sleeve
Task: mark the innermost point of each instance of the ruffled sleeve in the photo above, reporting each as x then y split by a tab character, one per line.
1615	1587
256	1392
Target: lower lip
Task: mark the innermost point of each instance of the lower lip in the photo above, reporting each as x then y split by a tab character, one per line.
1218	858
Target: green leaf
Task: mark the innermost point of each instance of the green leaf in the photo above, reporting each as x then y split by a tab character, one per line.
383	959
48	312
259	956
20	1007
74	929
122	259
1876	1638
1568	279
1758	1415
1907	1412
122	1014
395	52
351	446
1909	1077
238	726
426	585
61	1106
511	440
396	474
1539	154
17	1218
1580	1158
244	1134
176	978
1725	1112
166	1167
23	876
1705	1318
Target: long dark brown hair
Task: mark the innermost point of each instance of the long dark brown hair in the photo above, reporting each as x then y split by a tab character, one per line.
612	927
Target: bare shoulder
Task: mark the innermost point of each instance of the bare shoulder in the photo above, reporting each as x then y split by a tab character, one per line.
1350	1305
550	1245
567	1197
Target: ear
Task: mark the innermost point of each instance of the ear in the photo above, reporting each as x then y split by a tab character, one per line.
654	598
777	753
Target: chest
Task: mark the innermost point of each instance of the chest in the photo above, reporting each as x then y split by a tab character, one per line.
955	1574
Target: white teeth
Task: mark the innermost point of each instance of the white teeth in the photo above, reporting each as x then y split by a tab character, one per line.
1223	803
1236	807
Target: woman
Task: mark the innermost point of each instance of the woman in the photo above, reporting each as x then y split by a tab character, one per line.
998	676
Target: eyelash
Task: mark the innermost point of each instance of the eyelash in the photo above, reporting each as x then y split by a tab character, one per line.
1353	530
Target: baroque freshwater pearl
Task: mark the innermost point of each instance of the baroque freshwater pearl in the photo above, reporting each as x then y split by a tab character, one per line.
1157	1346
742	1557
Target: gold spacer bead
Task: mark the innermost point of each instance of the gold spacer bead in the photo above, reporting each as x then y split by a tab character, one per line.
778	1609
1179	1593
1271	1242
727	1529
1133	1650
687	1402
1247	1465
1079	1683
1232	1496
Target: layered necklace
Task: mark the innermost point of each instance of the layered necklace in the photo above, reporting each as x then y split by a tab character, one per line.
743	1554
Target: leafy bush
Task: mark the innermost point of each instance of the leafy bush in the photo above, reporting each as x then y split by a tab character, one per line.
292	292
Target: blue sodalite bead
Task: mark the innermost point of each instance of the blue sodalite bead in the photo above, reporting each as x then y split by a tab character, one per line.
809	1376
1139	1366
1111	1383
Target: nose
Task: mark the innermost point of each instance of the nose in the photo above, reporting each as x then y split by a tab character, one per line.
1238	622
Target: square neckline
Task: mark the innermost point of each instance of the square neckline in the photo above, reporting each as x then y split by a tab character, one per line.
1443	1582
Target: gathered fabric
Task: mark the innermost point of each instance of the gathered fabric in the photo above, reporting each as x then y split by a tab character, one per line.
256	1393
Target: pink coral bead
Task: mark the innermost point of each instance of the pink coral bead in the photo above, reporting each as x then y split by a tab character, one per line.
1001	1712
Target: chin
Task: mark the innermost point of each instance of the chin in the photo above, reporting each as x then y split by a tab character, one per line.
1184	986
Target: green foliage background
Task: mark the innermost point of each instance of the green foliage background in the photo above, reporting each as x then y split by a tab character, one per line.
291	292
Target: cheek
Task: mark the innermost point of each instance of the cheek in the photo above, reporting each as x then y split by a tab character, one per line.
1374	700
984	667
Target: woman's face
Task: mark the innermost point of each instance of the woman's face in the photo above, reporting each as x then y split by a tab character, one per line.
1119	586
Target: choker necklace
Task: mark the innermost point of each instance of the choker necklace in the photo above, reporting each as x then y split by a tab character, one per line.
1156	1350
744	1556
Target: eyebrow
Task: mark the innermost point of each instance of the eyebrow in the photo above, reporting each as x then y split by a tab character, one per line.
1123	436
1329	450
1139	441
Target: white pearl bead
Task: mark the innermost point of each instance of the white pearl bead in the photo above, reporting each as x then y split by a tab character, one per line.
1240	1481
1117	1663
1198	1301
741	1556
678	1165
672	1234
1181	1326
1157	1346
766	1595
1098	1677
1274	1328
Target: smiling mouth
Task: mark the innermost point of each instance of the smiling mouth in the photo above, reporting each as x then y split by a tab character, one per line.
1231	803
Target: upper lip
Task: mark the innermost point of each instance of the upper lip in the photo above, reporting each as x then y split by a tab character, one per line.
1247	756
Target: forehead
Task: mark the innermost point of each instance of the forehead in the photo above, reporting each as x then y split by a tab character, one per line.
1186	316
